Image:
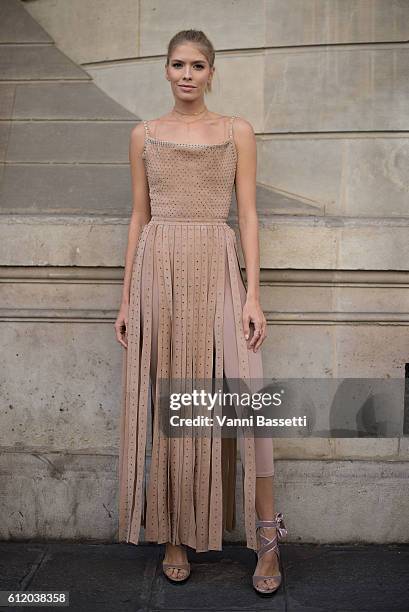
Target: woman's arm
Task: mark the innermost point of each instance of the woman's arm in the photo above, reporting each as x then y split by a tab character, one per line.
245	140
141	214
141	205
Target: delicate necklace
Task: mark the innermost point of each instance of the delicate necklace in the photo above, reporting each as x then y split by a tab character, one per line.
181	113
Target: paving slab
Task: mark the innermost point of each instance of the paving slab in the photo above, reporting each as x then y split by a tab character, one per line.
128	577
347	578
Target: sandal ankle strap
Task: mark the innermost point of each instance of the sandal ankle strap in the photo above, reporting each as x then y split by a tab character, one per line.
277	522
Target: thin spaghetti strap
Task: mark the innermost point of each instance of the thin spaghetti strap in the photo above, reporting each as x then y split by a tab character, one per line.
231	127
145	123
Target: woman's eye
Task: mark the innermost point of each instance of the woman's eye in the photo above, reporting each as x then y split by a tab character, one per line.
177	64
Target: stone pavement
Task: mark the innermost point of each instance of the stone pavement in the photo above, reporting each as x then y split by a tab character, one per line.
125	577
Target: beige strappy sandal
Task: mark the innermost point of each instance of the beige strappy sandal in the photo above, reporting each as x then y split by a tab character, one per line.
185	566
265	546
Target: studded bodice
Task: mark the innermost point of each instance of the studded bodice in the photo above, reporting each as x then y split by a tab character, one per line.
190	180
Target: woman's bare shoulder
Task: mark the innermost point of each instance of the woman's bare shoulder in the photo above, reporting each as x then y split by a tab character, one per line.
137	131
153	123
137	139
242	127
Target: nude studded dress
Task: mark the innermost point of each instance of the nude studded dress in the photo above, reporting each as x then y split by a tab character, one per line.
185	320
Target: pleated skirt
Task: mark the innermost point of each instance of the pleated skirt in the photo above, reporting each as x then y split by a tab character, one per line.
185	278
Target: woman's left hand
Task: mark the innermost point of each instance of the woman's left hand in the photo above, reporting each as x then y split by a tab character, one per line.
253	315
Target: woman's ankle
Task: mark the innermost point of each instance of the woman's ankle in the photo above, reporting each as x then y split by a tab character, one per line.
172	548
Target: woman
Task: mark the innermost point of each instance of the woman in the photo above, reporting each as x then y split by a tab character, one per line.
186	314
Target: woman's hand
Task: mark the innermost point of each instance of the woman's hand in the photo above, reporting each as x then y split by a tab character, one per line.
121	325
253	315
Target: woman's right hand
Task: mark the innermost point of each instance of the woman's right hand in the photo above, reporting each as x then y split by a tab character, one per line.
121	326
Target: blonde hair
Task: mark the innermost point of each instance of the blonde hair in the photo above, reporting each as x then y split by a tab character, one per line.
200	39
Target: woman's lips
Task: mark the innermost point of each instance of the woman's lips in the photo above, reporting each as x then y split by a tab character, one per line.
186	87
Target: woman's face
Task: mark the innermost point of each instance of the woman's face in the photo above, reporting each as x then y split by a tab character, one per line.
187	65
